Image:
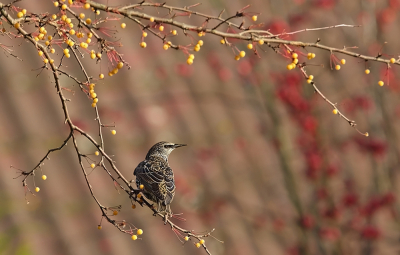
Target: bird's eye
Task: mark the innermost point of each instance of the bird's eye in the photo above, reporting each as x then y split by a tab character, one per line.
167	146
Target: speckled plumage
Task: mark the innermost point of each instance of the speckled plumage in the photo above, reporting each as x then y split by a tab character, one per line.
156	175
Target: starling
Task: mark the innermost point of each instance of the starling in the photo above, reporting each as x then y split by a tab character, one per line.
157	177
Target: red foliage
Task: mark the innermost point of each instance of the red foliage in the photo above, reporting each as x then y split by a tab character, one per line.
350	199
374	146
370	232
329	234
307	221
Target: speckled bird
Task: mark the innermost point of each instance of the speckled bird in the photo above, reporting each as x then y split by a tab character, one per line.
156	176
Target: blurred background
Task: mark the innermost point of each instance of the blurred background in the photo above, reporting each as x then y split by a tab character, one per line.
267	163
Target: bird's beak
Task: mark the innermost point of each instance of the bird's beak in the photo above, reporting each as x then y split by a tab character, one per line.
178	145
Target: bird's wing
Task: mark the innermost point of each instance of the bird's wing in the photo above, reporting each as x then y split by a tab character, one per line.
157	178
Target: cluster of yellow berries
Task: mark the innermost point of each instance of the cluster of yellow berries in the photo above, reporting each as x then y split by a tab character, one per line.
310	78
200	243
343	61
167	45
295	60
202	33
310	55
138	233
115	70
66	53
198	45
240	55
190	59
93	95
21	13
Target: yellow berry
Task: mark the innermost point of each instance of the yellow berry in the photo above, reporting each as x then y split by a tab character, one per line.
70	2
53	16
189	61
51	61
198	245
50	37
139	195
237	57
44	177
343	61
242	54
113	132
24	11
45	60
290	66
40	53
174	32
92	165
93	105
133	206
17	25
141	186
392	60
254	18
96	100
68	55
165	46
71	43
367	71
161	28
82	15
366	134
56	4
63	17
200	42
115	71
20	14
261	42
222	41
88	40
115	212
295	61
92	55
312	55
202	241
68	20
143	44
88	21
86	6
120	65
309	81
66	51
110	74
295	55
41	36
98	55
197	47
335	111
381	83
250	46
71	32
139	232
134	237
52	50
36	38
151	19
99	227
186	238
337	67
37	189
64	6
93	95
97	12
123	25
144	34
191	56
101	76
311	77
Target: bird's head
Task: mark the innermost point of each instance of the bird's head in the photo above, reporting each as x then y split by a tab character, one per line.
162	149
